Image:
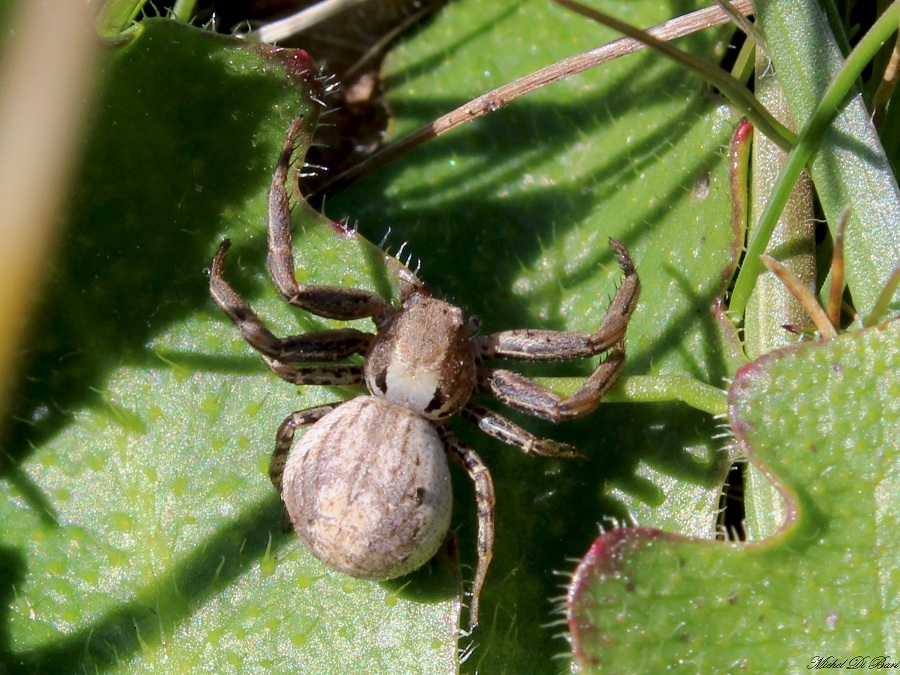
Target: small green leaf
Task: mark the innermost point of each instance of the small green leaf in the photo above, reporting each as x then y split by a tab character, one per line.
823	421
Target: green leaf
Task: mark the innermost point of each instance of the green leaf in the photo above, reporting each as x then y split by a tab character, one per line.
141	533
140	530
823	421
510	217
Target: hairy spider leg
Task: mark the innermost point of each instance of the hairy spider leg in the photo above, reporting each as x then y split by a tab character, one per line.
284	437
552	345
520	393
485	499
332	302
497	426
525	395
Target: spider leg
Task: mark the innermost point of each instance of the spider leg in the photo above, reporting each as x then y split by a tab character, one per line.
552	345
284	437
512	434
328	375
332	302
520	393
485	498
326	345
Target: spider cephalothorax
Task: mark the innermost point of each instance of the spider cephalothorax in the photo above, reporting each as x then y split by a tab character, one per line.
367	488
421	358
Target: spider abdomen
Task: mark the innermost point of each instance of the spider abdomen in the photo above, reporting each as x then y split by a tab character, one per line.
367	489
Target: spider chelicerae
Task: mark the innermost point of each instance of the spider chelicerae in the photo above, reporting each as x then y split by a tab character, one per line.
367	487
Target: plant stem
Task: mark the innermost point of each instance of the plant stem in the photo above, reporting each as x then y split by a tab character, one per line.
502	96
116	16
653	389
807	143
732	88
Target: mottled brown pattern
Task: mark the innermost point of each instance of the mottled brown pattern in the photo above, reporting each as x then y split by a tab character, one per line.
368	489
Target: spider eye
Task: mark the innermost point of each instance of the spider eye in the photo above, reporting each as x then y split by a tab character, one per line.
473	325
437	401
381	381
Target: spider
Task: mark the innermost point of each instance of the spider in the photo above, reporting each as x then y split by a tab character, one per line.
367	487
